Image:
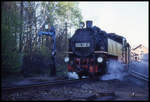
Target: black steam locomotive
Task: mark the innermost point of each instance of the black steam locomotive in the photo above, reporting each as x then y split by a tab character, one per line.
90	48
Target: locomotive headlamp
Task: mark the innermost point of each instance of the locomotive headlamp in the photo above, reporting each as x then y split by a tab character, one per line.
99	59
66	59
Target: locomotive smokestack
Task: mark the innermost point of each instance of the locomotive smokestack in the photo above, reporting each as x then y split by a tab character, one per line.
89	24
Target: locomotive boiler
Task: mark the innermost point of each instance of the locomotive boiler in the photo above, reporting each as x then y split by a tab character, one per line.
90	48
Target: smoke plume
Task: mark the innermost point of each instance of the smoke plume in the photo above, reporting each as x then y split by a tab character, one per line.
116	70
140	66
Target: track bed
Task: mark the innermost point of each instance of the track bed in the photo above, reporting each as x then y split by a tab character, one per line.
82	90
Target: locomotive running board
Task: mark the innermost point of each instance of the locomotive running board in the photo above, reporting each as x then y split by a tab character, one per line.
97	52
69	52
94	52
100	52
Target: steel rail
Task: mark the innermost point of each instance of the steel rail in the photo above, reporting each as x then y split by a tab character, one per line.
59	82
139	75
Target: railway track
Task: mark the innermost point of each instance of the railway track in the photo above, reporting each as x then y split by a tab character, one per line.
41	84
139	76
81	91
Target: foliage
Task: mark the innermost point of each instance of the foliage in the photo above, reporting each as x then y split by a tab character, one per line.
44	51
59	13
11	59
21	22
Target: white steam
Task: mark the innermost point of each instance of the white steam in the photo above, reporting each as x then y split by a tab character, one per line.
140	66
73	75
145	58
116	70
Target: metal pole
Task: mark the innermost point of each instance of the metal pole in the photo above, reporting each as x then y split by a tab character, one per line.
66	36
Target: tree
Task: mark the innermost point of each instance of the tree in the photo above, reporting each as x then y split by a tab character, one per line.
21	22
21	27
11	60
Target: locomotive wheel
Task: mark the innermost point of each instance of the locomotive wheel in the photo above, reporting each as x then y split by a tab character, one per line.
80	75
96	77
104	68
90	76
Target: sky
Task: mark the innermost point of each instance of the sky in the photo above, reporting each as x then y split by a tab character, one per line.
128	19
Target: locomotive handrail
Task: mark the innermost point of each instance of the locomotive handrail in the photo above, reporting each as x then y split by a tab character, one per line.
104	52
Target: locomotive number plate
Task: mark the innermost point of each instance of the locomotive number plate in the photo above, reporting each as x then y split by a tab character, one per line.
82	44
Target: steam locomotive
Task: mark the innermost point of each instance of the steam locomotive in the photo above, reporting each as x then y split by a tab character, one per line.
90	48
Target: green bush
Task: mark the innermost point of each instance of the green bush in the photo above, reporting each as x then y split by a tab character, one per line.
44	51
11	62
